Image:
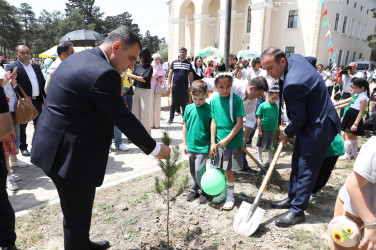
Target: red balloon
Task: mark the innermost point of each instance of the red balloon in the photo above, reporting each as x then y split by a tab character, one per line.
211	53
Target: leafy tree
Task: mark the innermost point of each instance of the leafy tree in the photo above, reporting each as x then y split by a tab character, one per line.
27	20
125	19
86	8
9	27
75	21
47	28
163	50
150	42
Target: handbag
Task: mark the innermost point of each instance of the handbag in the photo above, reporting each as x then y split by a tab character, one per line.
161	88
128	91
24	110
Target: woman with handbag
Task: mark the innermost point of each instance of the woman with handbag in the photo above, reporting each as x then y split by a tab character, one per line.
142	100
158	87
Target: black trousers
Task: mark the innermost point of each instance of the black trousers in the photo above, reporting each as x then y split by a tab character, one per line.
325	171
76	201
38	105
7	218
370	124
330	90
179	98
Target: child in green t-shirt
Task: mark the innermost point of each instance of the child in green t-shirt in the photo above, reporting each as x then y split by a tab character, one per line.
267	122
227	135
196	137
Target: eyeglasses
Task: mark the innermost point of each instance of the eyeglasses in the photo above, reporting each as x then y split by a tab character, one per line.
24	52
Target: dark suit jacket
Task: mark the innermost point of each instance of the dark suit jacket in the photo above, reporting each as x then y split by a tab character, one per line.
23	78
74	131
309	108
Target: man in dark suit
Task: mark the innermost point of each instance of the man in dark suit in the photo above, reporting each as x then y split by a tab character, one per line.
30	78
313	122
74	131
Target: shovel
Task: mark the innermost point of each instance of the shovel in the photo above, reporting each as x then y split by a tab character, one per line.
264	169
249	216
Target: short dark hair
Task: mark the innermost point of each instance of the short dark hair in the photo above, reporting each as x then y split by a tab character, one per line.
199	87
125	35
259	83
182	48
255	61
146	55
272	51
223	76
63	47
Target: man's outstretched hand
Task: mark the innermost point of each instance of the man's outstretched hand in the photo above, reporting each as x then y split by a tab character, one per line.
164	152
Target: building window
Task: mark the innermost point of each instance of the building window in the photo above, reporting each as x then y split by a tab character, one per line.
360	56
354	57
293	19
289	51
354	5
361	8
348	2
344	25
347	57
336	22
249	20
339	57
367	11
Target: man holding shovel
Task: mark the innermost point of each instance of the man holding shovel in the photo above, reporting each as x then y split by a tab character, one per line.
313	123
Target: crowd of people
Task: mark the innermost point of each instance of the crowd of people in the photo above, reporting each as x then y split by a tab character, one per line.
87	100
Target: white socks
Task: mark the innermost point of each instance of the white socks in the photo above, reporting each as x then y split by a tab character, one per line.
9	178
354	148
259	151
270	156
347	148
230	191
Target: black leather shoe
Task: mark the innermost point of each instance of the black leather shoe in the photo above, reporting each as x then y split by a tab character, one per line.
283	204
99	245
10	248
290	219
25	152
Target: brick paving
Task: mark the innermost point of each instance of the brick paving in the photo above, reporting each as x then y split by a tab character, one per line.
37	190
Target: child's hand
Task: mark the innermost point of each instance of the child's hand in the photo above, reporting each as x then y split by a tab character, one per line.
222	143
213	149
185	149
13	134
259	133
354	128
369	240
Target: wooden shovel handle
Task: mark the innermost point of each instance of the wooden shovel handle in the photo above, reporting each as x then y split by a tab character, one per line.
271	168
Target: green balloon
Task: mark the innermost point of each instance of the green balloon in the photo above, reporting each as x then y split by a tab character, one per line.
213	182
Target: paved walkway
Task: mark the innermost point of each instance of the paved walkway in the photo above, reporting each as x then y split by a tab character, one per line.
37	190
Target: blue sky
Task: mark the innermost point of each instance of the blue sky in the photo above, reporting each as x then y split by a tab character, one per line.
148	14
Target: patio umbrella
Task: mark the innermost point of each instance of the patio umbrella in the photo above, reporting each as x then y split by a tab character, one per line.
83	37
53	53
249	54
210	53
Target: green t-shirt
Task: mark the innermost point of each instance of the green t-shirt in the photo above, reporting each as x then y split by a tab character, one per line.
269	113
198	127
336	147
220	112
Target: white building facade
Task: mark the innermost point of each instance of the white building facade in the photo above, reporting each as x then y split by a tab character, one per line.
296	26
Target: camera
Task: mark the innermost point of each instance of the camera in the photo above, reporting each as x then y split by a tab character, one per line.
345	70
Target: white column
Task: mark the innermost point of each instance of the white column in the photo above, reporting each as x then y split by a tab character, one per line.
200	31
259	14
178	27
221	28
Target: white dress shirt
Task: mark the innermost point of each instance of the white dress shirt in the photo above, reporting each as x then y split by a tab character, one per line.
33	79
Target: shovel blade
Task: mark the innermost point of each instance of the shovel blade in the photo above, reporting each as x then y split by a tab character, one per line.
247	227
